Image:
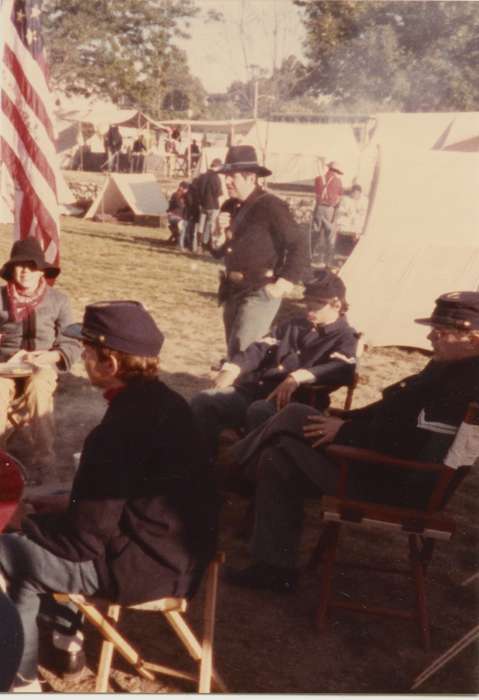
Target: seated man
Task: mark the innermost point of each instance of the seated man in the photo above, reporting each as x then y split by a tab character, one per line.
33	316
176	215
417	418
140	523
262	379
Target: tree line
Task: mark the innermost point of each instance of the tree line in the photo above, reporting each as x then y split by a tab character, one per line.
361	56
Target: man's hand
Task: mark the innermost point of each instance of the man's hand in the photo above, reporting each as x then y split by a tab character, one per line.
225	378
276	290
322	427
283	392
42	358
224	222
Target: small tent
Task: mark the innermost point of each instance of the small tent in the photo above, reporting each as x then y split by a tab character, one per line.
139	192
420	241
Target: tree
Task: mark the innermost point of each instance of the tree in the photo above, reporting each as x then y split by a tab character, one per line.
409	55
122	49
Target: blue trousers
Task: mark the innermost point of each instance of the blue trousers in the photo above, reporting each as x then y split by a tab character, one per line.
247	317
31	573
217	409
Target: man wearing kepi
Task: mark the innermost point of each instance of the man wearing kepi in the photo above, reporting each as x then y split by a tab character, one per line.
265	255
417	418
141	519
261	380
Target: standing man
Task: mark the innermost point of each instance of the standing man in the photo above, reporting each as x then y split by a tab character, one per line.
209	192
114	142
265	255
140	522
328	192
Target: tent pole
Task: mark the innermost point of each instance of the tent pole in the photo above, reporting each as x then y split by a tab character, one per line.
188	162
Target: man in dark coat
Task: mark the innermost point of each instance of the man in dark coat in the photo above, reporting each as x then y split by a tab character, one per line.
209	192
417	418
261	380
265	254
140	523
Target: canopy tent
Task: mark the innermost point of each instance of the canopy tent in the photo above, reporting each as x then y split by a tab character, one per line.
461	134
101	117
420	241
141	193
297	152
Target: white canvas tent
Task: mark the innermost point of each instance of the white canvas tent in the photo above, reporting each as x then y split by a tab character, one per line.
461	134
420	241
297	152
140	192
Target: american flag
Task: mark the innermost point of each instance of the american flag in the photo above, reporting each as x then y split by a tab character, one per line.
27	141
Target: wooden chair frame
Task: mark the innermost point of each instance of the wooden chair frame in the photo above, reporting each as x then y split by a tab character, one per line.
173	610
422	528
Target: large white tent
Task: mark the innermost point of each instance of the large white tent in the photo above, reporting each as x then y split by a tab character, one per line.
139	192
297	152
420	241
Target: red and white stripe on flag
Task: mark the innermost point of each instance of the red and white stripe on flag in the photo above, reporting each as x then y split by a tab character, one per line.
27	141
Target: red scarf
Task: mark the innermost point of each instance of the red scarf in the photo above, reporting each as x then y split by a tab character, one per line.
22	303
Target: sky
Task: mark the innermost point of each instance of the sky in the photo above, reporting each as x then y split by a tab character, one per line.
218	52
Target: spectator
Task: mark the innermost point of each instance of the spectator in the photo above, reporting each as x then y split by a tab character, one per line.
177	215
323	230
114	142
209	192
350	218
138	154
194	154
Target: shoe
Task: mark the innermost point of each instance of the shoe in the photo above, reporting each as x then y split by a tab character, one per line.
32	687
67	664
262	576
63	654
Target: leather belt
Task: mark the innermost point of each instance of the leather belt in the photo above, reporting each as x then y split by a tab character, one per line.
236	277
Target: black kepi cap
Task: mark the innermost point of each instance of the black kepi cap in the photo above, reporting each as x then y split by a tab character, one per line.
459	310
125	326
324	284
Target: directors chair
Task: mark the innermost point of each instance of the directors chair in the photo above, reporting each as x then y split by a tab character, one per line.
422	527
173	610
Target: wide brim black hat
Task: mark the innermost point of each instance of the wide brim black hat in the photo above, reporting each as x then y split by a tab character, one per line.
243	159
28	250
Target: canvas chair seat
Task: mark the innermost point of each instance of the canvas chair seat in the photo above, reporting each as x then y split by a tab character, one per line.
173	610
421	527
